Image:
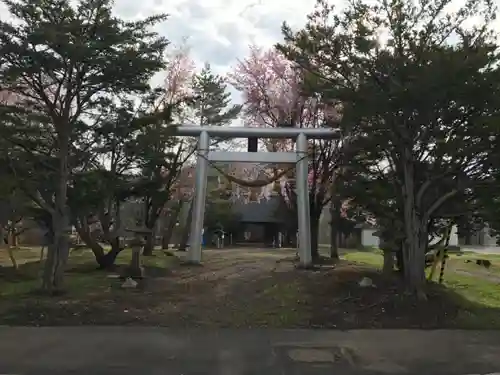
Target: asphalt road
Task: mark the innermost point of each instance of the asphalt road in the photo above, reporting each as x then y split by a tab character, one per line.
149	350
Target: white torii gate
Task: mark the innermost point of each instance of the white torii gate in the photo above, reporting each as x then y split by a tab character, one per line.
299	157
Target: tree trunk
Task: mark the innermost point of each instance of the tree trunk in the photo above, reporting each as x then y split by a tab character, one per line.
12	257
388	262
169	230
150	222
8	246
59	250
108	260
149	245
165	240
57	256
415	231
13	237
334	228
414	257
187	228
387	247
104	260
314	235
400	264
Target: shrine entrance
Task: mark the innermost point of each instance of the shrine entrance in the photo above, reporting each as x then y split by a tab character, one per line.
298	157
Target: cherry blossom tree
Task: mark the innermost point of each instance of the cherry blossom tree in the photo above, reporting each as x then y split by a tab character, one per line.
178	75
275	94
164	156
205	101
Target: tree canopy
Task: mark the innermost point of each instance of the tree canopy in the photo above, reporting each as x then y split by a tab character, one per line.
420	105
61	63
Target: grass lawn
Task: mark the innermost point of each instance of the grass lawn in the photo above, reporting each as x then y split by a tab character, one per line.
82	276
478	294
247	288
467	262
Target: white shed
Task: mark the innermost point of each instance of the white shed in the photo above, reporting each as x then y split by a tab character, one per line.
368	235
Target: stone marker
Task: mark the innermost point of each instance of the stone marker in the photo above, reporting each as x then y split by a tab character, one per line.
366	282
129	283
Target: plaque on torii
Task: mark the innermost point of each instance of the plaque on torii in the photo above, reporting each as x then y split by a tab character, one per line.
253	144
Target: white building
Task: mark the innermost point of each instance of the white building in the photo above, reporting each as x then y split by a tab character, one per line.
481	238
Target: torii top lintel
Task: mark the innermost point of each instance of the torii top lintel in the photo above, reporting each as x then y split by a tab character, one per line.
247	132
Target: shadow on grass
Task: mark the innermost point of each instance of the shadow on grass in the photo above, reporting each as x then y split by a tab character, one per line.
25	272
341	303
94	296
462	302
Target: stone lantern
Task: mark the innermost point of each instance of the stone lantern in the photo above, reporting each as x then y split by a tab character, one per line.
135	269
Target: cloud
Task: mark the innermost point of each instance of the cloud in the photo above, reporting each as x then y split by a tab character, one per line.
220	31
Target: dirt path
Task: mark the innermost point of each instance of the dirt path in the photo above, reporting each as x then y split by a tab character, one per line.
219	292
222	272
234	264
233	269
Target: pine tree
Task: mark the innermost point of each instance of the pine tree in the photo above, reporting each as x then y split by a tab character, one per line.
61	62
212	106
213	100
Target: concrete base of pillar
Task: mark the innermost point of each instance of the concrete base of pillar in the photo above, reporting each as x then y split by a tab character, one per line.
191	263
136	273
302	266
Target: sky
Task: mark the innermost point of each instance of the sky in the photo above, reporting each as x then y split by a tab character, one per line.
220	31
217	31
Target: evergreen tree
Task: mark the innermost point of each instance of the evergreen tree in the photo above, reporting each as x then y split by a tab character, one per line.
212	106
61	62
421	107
213	101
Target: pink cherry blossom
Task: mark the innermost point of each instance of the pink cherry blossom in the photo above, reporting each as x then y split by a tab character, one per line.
271	87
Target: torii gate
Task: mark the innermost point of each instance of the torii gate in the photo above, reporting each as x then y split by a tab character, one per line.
298	157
